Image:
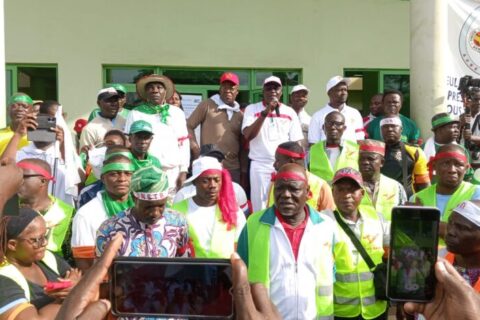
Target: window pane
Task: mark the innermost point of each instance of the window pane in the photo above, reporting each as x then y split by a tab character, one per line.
8	83
290	78
202	77
126	75
39	83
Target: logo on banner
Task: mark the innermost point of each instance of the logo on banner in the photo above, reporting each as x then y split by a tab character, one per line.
469	41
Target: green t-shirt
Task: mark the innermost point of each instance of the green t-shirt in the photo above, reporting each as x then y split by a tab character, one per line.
148	161
124	113
410	132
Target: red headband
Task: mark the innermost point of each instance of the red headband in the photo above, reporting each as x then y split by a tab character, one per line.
370	148
210	171
455	155
292	154
30	166
288	175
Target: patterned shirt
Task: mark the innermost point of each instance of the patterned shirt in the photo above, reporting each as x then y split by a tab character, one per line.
167	238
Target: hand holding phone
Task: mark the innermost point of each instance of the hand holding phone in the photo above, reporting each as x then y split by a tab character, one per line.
413	253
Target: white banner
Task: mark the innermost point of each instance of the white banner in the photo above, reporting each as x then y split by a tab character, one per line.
463	55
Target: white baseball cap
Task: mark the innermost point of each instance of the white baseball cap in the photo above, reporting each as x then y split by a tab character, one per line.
272	79
336	80
299	87
202	164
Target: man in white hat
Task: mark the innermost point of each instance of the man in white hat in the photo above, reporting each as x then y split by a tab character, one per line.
298	101
170	142
213	216
267	124
337	91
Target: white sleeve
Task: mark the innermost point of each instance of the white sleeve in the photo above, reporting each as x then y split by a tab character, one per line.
296	132
359	129
315	129
248	117
183	140
128	122
82	233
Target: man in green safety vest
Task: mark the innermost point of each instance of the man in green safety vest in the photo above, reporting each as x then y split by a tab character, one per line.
327	156
354	292
288	248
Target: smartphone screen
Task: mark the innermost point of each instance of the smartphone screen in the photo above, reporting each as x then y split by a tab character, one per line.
413	253
171	287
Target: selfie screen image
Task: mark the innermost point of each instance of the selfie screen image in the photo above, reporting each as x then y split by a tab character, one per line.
412	260
173	289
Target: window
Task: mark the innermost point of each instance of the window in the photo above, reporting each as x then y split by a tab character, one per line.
38	81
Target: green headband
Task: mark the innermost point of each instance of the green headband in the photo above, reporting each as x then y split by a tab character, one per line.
126	154
441	121
118	166
20	98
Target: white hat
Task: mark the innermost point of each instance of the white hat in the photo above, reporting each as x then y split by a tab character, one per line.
396	121
272	79
106	93
336	80
469	211
202	164
299	87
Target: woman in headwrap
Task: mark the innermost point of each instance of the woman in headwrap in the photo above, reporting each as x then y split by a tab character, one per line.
30	275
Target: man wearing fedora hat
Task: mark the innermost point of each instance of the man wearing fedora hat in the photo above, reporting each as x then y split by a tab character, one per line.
170	142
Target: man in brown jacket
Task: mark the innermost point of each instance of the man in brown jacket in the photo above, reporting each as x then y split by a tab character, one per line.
221	121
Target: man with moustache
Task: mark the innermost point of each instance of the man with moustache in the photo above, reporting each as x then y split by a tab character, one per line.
375	109
220	120
265	125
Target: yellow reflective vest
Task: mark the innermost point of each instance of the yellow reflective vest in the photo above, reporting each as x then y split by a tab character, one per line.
10	271
354	291
222	243
320	164
387	197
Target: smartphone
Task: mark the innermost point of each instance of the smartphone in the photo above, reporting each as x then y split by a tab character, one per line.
51	286
171	287
43	133
413	253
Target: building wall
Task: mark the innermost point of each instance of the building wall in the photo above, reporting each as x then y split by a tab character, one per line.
319	36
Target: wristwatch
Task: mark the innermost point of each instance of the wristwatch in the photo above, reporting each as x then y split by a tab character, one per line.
264	113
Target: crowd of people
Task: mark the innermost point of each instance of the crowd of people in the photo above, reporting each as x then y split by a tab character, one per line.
267	185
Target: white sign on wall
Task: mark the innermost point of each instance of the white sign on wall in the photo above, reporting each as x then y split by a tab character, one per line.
463	54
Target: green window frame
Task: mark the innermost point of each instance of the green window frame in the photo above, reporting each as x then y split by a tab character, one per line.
204	80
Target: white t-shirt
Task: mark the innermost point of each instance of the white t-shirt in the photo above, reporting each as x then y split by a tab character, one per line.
190	191
86	222
332	154
203	218
275	130
170	142
353	121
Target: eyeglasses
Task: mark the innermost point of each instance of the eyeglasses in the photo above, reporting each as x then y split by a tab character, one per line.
39	241
336	124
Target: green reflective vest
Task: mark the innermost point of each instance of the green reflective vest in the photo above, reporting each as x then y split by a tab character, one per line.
222	242
10	271
320	165
58	217
387	197
258	235
354	291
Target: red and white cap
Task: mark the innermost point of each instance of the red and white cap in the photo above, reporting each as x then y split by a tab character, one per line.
348	173
336	80
272	79
203	164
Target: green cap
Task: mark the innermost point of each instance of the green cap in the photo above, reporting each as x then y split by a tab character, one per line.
141	126
150	183
20	97
441	119
119	87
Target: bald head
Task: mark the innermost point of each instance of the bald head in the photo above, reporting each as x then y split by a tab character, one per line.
294	168
333	115
291	193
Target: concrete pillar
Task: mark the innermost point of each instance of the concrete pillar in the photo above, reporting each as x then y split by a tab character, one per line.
428	37
3	101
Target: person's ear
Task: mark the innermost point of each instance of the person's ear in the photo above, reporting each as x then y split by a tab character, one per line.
362	190
12	245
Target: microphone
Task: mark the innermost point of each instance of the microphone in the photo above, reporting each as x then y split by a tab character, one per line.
277	109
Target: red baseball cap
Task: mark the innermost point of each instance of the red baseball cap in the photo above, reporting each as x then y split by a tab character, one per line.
229	76
348	173
79	124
